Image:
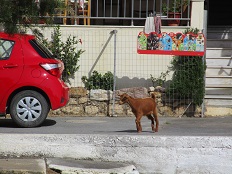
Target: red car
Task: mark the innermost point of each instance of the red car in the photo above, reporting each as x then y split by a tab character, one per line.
30	80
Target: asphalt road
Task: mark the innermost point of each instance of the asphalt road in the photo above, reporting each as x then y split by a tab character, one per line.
169	126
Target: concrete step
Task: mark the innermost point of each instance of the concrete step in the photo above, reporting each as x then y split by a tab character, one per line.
219	28
217	81
218	52
219	97
221	57
218	91
219	86
219	33
219	76
225	97
218	72
219	43
218	67
219	62
218	101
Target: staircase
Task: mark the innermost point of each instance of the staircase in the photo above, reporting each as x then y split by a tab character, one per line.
219	71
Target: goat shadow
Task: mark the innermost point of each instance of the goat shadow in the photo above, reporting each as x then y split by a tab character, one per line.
133	131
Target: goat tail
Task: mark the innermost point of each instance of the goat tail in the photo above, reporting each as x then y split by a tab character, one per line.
153	96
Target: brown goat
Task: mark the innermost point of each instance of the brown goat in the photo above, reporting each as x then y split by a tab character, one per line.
142	107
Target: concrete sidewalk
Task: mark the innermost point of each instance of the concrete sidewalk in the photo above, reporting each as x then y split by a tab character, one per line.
64	166
21	166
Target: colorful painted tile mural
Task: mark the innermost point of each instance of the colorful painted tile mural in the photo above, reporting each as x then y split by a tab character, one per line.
171	43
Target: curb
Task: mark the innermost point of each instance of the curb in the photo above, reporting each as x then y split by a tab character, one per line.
72	166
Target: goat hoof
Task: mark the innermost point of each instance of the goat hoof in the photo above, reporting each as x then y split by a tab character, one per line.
156	130
139	131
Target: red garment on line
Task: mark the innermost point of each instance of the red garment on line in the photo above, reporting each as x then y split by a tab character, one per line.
157	22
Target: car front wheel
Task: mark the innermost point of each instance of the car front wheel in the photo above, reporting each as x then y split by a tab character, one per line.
29	108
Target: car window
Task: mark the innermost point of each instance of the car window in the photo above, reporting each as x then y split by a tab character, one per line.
41	49
6	47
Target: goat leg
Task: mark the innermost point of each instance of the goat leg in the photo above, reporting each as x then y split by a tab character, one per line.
150	117
152	126
138	124
156	120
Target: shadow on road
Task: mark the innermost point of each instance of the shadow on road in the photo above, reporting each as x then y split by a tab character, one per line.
8	123
48	122
134	131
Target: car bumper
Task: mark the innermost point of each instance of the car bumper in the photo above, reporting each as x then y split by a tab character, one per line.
57	92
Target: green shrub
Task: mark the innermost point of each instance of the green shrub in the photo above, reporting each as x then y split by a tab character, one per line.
99	81
188	77
66	51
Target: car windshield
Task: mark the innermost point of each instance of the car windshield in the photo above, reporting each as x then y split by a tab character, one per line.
42	50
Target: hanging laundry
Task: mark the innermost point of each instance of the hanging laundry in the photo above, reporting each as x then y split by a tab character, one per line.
149	25
152	24
82	4
157	23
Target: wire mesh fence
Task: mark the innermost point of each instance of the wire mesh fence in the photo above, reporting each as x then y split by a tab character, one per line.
110	61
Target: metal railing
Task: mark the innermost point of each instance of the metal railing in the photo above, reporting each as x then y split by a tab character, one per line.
135	12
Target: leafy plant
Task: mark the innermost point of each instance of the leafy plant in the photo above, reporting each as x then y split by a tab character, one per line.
188	77
99	81
173	6
23	12
191	30
66	51
159	81
45	6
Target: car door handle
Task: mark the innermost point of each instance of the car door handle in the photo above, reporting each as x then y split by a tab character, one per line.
10	66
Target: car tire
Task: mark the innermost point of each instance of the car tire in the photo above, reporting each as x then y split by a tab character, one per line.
29	109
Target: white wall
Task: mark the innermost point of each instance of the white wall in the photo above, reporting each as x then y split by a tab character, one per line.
132	69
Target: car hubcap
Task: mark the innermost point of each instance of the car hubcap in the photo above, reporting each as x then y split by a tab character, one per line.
29	109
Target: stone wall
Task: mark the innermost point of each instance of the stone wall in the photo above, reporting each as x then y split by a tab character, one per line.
100	103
